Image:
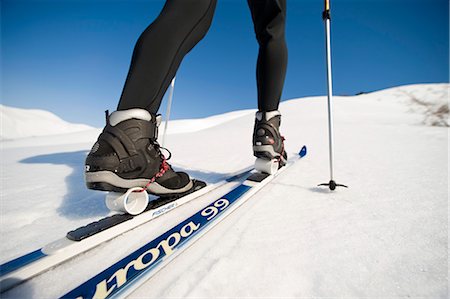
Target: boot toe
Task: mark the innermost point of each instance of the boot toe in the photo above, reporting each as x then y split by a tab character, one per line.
179	180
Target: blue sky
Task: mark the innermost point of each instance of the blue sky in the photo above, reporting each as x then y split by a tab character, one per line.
71	57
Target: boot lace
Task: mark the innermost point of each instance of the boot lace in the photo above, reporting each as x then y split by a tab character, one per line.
164	165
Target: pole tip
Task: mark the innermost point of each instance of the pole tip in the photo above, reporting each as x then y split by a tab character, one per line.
332	185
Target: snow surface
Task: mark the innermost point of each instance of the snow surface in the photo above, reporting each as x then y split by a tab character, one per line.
385	236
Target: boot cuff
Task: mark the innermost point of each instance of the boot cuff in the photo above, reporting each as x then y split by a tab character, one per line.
119	116
267	114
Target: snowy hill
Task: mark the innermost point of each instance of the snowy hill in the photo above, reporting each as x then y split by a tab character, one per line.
385	236
20	123
430	101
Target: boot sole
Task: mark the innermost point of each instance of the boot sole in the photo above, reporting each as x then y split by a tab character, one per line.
109	181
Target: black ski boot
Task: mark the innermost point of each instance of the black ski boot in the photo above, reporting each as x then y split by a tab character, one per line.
268	144
127	155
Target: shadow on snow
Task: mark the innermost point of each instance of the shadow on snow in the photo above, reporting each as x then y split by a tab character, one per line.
80	202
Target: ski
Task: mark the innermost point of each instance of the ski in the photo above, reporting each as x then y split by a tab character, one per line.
87	237
129	273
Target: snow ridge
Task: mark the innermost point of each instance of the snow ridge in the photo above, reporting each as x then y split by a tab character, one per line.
19	123
431	101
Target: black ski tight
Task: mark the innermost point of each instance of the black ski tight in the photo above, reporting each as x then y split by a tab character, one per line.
179	27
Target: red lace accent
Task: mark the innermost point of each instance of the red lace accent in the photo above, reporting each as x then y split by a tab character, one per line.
162	170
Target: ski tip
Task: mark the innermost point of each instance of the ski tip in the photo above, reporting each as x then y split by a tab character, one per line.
303	151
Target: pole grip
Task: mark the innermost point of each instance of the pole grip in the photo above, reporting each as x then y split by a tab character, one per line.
326	15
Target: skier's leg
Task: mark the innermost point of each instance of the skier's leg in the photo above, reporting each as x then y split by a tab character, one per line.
269	21
160	50
127	153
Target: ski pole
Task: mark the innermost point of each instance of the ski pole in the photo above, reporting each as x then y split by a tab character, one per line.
169	105
326	16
